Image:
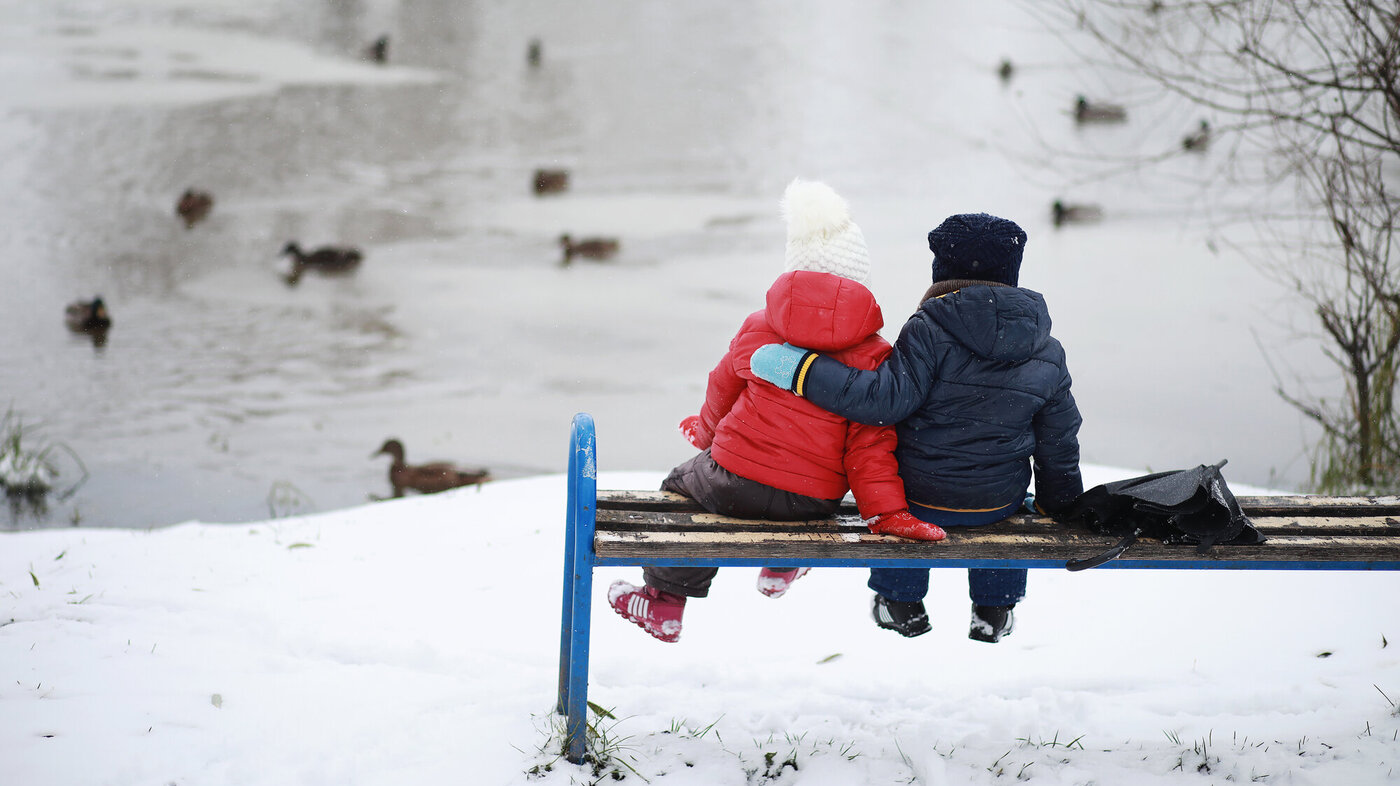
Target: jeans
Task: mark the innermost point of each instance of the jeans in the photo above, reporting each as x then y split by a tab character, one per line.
986	586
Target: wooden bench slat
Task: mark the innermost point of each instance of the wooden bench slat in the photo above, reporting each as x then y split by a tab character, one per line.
1307	506
1253	506
675	520
1060	546
962	540
644	500
1378	526
664	520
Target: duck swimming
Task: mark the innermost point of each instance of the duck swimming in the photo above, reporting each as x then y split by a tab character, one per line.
87	316
1061	213
327	259
1086	112
194	206
426	478
1199	140
551	181
378	51
593	248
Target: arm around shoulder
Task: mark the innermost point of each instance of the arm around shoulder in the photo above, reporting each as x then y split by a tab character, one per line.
883	396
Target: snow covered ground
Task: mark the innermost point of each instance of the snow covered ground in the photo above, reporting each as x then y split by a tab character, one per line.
416	642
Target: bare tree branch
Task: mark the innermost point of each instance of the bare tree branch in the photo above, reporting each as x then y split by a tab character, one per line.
1315	83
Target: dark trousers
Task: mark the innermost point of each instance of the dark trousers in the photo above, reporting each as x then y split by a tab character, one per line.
722	492
987	586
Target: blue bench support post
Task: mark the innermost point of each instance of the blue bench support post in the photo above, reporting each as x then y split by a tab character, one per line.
581	519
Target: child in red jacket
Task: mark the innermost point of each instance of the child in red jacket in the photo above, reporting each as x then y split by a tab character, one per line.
750	466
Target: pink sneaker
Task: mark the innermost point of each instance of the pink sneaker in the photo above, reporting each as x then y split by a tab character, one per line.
774	583
654	611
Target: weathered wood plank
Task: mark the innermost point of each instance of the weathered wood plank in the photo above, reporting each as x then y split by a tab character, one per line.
674	520
638	525
965	539
1379	526
983	545
1272	506
644	500
1305	505
624	520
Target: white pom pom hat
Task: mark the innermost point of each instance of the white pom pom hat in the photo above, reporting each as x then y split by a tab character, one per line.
821	237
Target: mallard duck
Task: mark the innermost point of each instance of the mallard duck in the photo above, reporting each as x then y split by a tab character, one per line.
534	53
1085	112
378	51
1005	70
551	181
327	259
1198	140
426	478
592	248
194	206
87	316
1074	214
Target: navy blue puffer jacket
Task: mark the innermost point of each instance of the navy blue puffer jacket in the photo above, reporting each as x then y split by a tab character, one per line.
979	391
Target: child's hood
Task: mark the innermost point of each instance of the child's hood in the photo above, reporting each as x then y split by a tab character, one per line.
998	323
822	311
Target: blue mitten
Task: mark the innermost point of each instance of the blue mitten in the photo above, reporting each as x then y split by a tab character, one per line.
778	363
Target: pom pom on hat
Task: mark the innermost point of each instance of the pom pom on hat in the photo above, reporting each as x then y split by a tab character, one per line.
977	246
820	234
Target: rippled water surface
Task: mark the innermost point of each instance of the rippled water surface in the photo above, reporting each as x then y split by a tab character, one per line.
222	394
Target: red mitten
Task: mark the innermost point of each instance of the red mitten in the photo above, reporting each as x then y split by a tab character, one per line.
903	524
692	431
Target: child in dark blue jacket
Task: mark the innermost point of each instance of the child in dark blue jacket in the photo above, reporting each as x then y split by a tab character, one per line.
979	392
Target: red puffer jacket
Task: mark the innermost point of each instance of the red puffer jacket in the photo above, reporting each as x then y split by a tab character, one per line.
763	433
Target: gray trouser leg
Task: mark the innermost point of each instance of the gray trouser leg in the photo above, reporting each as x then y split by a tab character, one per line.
690	582
722	492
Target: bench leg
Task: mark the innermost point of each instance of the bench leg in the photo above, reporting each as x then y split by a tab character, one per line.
578	587
566	617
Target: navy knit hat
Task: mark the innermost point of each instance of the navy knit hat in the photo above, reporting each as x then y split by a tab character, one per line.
977	246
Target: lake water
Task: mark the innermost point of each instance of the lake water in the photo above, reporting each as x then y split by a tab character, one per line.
221	394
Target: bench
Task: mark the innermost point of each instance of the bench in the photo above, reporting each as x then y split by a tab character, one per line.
633	528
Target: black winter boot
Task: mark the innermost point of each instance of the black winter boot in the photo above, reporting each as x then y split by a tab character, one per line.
991	623
906	619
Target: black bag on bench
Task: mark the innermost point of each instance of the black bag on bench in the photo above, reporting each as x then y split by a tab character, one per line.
1185	506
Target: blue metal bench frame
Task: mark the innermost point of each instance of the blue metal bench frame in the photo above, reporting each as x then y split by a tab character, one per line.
580	558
